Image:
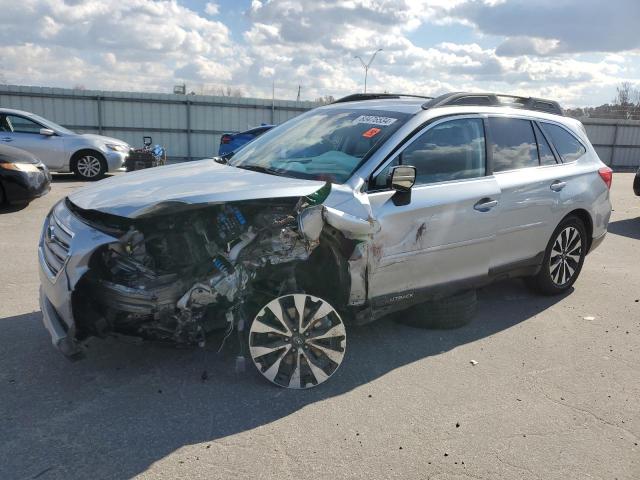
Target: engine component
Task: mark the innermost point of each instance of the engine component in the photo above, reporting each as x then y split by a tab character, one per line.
146	297
230	224
173	277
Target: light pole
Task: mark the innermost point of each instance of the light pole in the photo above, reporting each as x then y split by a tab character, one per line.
366	66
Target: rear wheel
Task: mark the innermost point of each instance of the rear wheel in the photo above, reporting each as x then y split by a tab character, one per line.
89	166
563	258
297	341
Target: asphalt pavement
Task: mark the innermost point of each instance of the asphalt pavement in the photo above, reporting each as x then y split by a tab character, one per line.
554	392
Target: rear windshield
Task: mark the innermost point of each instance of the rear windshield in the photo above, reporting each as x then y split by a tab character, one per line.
324	144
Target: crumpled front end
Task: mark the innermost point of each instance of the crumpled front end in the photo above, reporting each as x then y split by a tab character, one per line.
65	248
170	277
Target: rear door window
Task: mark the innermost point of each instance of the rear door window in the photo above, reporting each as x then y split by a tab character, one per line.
568	146
513	144
546	154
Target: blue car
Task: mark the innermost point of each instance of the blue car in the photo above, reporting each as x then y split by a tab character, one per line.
230	142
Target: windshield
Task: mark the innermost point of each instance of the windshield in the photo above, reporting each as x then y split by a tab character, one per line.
51	125
322	144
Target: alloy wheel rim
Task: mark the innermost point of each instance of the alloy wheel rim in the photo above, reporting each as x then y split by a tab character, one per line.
297	341
565	256
89	166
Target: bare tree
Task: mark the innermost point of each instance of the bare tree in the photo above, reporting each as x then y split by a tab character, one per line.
625	105
325	99
625	94
220	90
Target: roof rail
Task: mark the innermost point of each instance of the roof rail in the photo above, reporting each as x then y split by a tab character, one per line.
358	97
495	100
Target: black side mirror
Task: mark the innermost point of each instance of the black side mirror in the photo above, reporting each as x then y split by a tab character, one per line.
401	178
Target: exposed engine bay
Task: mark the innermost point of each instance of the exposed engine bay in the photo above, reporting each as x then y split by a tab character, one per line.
177	276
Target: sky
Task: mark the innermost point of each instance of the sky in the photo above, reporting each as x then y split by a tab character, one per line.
574	51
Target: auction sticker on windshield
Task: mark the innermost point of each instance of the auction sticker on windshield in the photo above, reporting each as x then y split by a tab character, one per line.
375	120
372	132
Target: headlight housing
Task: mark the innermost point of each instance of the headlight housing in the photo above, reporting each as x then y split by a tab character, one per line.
117	148
20	167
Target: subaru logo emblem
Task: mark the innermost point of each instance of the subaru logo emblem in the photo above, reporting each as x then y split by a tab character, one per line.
51	233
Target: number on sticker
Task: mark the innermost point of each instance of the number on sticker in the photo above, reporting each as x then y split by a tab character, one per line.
375	120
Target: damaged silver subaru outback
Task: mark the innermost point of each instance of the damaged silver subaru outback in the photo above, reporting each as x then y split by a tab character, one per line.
351	211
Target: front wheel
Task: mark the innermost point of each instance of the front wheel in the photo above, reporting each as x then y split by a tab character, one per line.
563	258
89	166
297	341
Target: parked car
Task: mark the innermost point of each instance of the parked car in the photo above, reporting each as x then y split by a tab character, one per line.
346	213
61	150
636	183
23	177
230	142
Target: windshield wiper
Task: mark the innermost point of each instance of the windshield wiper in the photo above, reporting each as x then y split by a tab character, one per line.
258	168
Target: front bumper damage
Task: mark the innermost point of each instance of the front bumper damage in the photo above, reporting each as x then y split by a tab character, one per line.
95	283
65	247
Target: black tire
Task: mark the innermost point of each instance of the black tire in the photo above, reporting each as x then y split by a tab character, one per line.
89	166
3	197
563	258
447	313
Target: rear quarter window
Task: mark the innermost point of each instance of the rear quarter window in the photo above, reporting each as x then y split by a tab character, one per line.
567	146
513	144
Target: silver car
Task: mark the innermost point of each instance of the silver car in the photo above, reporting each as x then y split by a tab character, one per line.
61	150
372	205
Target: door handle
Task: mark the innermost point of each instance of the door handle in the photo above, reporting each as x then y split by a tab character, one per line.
7	139
557	185
485	204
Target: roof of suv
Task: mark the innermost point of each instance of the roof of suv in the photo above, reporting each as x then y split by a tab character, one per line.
413	103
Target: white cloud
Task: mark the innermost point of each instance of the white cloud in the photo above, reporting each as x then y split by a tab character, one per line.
212	8
575	25
150	45
267	72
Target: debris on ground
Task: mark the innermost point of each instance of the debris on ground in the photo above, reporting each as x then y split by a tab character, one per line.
473	362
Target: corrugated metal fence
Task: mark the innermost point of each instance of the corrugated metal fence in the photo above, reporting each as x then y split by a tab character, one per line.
189	126
616	141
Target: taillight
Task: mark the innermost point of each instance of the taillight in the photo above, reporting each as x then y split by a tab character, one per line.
225	139
606	174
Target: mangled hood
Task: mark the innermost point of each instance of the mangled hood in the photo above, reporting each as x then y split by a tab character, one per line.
147	191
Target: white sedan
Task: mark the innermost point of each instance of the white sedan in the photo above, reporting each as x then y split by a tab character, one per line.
60	149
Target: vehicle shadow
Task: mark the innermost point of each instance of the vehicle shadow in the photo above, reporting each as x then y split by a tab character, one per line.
124	407
629	227
12	207
70	177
